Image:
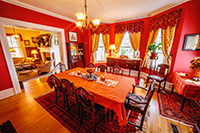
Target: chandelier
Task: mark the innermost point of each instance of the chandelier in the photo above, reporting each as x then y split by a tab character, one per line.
82	20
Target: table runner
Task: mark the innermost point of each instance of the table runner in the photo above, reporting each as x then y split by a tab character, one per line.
109	97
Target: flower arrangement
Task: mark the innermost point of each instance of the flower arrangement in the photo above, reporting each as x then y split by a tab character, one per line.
153	47
195	63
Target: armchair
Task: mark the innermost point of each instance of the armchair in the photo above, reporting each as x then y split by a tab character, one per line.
46	67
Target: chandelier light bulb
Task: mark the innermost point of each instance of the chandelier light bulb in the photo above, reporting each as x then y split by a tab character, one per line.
96	22
80	16
78	24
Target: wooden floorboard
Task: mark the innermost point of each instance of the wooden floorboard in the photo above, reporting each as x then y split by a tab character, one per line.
28	116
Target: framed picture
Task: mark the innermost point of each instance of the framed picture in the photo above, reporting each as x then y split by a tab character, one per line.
192	42
26	42
56	40
72	36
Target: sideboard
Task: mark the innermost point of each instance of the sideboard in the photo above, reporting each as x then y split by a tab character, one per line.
131	64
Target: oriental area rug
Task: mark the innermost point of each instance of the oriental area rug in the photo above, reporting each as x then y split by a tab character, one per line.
170	105
71	121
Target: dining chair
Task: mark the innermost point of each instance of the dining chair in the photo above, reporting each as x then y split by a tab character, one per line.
160	75
117	70
59	68
103	68
86	101
58	87
91	65
139	104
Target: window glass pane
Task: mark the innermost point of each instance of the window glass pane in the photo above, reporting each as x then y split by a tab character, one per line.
100	53
125	48
160	54
18	53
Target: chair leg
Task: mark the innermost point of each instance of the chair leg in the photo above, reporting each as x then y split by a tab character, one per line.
159	86
147	82
164	84
94	123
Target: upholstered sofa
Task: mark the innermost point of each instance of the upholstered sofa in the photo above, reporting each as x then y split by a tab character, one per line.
23	62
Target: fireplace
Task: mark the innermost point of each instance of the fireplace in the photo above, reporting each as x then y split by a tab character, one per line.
47	53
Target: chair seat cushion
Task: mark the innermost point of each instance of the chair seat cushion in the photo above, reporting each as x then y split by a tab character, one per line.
133	105
157	78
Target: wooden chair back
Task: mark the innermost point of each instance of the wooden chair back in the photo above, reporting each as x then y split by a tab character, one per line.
162	70
59	68
117	70
56	82
68	87
103	68
85	98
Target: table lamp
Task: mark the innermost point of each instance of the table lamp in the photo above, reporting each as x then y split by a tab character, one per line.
35	53
112	49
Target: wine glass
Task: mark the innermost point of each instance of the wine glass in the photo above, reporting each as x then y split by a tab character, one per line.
137	54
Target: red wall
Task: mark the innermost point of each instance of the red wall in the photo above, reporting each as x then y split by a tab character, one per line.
15	12
5	80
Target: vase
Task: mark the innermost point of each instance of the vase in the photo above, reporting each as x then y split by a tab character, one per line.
193	72
153	55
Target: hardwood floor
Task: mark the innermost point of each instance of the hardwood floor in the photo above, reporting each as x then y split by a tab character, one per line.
28	116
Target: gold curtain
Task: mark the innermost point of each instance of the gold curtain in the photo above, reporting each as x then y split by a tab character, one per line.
167	37
135	40
106	42
118	40
95	43
152	37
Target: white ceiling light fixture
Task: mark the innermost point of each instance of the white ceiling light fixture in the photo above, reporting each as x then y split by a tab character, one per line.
82	20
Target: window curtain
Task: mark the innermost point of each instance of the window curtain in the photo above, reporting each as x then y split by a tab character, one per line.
152	37
167	22
118	40
167	37
105	30
135	40
95	43
106	42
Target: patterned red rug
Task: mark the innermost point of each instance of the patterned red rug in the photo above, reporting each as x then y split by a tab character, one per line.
71	121
170	104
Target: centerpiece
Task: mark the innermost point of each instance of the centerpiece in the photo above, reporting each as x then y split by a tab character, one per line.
90	70
195	68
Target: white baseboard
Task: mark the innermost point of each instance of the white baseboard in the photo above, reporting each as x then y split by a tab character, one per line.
6	93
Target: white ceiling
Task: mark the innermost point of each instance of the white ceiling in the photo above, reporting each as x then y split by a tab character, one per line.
106	10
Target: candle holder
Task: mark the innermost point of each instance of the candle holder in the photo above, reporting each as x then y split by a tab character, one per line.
78	72
103	77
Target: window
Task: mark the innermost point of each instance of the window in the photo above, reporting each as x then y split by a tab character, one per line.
100	53
14	43
160	54
126	48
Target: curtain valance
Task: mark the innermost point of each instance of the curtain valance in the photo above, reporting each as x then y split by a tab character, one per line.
104	29
166	20
130	27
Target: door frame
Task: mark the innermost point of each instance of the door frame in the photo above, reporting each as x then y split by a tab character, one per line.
4	43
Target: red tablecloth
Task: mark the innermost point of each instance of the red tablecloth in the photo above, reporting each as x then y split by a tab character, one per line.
109	97
185	88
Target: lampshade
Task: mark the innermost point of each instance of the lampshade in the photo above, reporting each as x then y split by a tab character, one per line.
80	16
112	47
34	52
12	50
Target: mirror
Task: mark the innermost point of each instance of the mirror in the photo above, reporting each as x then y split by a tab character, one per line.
74	50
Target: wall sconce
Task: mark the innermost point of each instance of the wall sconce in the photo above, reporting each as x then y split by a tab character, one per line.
35	52
112	49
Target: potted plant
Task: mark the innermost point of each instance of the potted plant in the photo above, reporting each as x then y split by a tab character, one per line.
195	68
153	47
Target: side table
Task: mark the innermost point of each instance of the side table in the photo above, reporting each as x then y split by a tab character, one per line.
37	61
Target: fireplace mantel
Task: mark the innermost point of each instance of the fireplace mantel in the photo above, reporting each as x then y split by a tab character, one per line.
44	50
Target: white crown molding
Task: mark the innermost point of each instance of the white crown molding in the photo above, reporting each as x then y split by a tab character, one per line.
167	7
37	9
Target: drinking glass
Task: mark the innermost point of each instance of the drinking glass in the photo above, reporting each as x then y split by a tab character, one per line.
137	54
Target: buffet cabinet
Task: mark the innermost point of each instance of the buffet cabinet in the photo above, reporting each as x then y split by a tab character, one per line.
75	55
131	64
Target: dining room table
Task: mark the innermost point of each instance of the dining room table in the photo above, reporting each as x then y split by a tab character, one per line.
110	91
